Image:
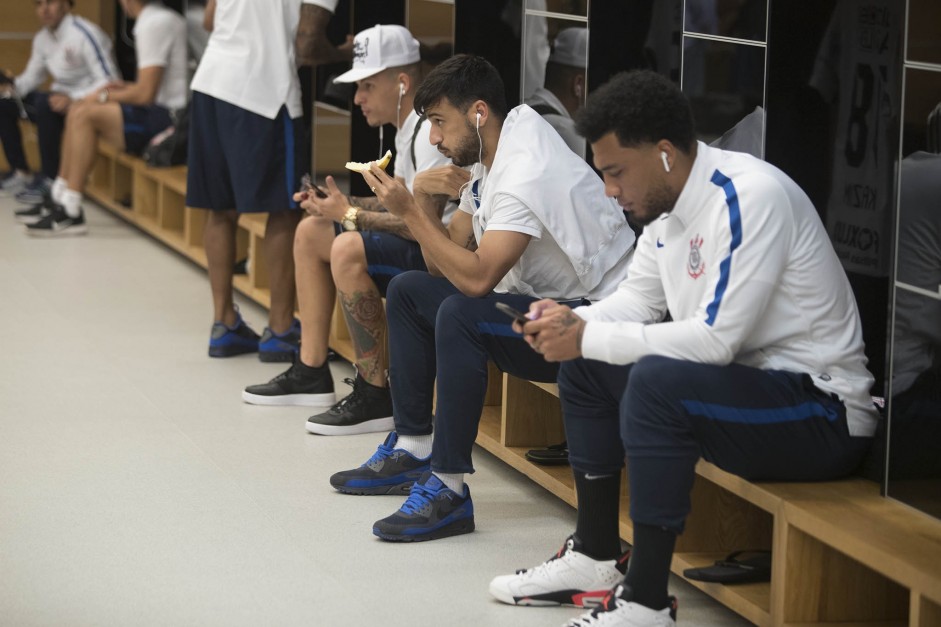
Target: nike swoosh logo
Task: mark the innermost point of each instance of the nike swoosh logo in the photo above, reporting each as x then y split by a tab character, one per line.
659	243
589	477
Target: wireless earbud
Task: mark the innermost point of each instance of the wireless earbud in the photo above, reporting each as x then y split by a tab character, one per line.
663	157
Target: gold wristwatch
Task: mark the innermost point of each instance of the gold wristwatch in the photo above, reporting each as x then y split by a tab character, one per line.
349	219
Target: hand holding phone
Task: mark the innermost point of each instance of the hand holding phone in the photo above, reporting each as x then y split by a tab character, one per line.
516	314
307	186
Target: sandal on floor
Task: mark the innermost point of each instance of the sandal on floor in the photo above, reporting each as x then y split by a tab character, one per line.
554	455
738	567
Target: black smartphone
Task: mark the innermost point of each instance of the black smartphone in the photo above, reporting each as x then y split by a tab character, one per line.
516	314
308	186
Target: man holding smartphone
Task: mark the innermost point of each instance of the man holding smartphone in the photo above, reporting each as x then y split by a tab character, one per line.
533	222
354	247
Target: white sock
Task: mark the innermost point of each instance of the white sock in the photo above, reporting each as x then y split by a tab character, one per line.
58	188
72	201
453	481
418	445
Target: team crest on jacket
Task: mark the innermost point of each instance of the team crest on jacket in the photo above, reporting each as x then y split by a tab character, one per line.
696	266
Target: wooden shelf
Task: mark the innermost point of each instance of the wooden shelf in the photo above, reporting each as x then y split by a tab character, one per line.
843	555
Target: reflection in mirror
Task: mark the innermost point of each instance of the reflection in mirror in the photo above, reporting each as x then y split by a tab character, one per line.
493	30
563	89
723	81
914	463
568	7
743	19
924	40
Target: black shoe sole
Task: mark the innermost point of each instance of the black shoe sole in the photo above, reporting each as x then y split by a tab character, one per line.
458	527
271	357
401	489
230	351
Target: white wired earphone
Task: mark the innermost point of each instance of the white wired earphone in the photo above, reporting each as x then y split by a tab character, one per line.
663	157
480	142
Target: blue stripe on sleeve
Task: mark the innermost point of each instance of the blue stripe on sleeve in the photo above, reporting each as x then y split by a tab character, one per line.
735	225
94	43
764	416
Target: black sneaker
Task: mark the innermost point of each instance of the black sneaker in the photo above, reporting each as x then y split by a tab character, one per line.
230	341
298	385
58	224
389	471
431	511
367	409
279	347
35	213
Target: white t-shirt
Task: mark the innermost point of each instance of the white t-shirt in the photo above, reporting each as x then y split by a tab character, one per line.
250	61
561	121
160	41
745	268
77	55
580	244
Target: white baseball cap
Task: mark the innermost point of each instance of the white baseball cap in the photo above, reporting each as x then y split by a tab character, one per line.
570	47
378	48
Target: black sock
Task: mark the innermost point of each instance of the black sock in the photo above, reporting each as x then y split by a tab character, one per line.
311	370
598	508
649	568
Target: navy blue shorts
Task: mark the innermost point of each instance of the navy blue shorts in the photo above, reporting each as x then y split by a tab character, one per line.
141	124
388	255
241	160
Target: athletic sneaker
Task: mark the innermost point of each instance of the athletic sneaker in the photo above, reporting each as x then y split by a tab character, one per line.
13	183
298	385
230	341
367	409
58	224
35	213
36	191
568	578
431	511
280	346
389	471
618	610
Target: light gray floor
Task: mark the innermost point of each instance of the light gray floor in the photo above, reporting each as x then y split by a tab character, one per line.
137	489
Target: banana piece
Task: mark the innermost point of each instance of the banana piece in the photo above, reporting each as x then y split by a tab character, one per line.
356	166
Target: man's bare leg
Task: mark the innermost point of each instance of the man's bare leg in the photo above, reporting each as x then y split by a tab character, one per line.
219	241
279	238
316	293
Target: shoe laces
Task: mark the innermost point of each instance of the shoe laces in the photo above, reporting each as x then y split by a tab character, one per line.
419	497
549	563
381	454
352	400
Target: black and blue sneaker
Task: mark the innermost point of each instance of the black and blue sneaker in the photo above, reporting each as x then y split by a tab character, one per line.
431	511
278	347
227	341
389	471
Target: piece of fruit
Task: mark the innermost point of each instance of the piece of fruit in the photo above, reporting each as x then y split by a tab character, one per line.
356	166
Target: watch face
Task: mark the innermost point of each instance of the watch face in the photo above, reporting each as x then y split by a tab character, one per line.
348	225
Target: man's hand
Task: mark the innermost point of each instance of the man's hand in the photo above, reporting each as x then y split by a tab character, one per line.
554	331
392	194
59	102
446	180
333	207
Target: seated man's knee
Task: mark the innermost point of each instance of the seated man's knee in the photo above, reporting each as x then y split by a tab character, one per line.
403	284
348	254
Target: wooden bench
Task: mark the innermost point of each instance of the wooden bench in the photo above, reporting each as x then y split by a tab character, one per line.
842	554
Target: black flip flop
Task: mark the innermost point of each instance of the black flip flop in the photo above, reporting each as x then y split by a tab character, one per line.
737	567
554	455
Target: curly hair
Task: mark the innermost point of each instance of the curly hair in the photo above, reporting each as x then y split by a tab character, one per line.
463	79
640	107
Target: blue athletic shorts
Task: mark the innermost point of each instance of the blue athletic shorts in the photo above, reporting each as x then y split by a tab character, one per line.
141	124
241	160
388	255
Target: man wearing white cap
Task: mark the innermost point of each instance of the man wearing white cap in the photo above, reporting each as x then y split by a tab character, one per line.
564	90
362	245
246	152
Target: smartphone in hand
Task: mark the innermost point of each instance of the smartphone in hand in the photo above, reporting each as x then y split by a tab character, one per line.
307	186
516	314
